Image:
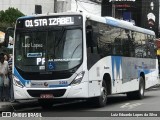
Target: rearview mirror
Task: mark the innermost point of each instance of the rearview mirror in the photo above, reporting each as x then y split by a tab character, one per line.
9	34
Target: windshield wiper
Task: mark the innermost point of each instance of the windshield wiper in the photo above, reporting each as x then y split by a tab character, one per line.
60	36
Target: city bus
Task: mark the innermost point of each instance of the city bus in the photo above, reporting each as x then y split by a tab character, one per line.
74	55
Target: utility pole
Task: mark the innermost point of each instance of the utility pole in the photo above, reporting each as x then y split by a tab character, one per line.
55	6
113	9
62	5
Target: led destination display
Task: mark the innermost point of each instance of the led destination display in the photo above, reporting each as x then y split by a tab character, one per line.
49	21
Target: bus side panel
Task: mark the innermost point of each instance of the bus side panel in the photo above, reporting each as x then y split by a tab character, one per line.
130	74
116	62
96	74
133	67
153	79
125	73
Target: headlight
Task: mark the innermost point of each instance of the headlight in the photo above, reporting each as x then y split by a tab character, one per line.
78	78
17	82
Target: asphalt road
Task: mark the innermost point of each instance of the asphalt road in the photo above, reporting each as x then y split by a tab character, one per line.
118	107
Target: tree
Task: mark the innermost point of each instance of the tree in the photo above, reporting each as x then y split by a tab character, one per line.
9	17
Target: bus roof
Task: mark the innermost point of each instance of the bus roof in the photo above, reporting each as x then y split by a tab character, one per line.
106	20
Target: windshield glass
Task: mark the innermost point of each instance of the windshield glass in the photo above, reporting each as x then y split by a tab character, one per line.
48	50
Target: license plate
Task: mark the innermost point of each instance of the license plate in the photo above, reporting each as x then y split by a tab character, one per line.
46	96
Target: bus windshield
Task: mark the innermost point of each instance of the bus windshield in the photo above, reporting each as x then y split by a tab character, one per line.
48	50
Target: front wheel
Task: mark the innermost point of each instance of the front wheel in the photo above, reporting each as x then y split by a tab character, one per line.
102	99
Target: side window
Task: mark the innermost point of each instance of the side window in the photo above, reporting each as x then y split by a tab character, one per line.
144	47
132	44
123	43
89	35
109	42
126	43
92	38
150	47
138	45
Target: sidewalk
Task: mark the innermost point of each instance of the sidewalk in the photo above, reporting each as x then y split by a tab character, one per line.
8	106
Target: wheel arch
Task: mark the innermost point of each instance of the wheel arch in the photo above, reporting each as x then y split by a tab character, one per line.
143	76
107	79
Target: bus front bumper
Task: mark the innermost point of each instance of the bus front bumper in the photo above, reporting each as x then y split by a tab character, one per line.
73	91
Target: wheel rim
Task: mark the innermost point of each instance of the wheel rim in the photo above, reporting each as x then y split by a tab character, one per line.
104	94
142	90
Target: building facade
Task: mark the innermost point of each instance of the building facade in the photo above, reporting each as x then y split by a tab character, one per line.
27	7
144	13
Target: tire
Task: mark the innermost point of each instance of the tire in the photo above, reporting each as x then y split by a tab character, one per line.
139	94
45	103
101	100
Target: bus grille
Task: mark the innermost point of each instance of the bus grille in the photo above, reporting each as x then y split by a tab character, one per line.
37	93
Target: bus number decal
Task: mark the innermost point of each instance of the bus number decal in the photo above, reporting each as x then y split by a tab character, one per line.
63	82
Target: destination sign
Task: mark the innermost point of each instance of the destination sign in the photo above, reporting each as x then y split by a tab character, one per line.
40	22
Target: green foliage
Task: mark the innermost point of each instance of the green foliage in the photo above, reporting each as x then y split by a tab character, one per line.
9	16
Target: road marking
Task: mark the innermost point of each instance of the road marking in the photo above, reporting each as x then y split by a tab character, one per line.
130	106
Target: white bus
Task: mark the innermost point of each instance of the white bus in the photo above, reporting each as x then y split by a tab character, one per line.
81	56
